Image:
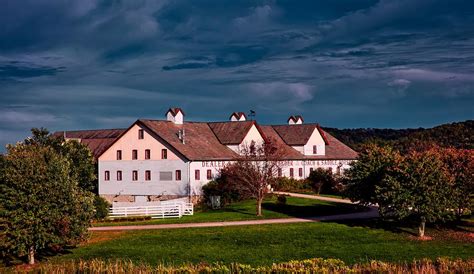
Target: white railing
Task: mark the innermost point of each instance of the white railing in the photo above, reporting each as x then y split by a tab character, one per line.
165	210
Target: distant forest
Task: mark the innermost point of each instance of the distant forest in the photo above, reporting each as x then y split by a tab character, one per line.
458	135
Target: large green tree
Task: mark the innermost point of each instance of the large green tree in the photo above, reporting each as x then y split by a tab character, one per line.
419	188
368	171
41	203
78	154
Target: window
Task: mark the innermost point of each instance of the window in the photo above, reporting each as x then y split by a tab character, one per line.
135	175
166	175
291	173
119	175
279	172
209	174
300	172
147	175
178	175
119	155
140	134
315	149
147	154
197	174
134	154
311	169
107	175
164	153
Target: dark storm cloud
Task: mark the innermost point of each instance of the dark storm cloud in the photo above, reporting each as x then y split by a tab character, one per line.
91	64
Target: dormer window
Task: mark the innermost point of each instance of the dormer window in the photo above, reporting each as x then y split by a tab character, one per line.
315	149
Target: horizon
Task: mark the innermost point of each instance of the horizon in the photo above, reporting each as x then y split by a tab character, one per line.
363	64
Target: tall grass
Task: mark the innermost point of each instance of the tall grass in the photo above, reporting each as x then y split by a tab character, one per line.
317	265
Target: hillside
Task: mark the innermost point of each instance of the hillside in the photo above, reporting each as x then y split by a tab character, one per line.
459	135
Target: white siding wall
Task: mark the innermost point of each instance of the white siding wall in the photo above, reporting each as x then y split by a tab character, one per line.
142	187
215	167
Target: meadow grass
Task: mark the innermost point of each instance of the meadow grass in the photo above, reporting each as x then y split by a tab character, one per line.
267	244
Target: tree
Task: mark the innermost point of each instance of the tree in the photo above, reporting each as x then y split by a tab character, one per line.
42	205
322	180
254	171
416	187
460	166
368	171
79	156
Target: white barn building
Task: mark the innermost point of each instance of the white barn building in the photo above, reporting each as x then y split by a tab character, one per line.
155	160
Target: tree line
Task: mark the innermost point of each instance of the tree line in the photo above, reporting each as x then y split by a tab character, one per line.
457	135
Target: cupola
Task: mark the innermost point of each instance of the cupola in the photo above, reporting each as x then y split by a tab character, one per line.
175	115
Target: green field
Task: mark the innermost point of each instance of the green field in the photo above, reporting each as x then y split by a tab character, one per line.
265	244
295	207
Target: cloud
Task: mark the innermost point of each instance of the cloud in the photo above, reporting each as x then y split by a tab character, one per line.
92	64
400	86
283	92
13	71
259	17
433	76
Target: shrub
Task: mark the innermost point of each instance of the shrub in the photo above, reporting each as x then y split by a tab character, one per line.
219	187
101	208
281	200
291	185
323	181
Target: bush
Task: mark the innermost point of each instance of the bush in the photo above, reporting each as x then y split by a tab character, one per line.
219	187
101	208
323	181
291	185
281	200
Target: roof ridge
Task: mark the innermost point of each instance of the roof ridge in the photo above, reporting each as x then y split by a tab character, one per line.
92	129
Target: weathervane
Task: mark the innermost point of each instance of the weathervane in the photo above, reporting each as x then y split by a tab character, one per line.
252	115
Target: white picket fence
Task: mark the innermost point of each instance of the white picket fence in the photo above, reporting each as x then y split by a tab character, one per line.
164	210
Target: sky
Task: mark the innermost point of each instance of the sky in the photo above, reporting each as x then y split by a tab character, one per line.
348	63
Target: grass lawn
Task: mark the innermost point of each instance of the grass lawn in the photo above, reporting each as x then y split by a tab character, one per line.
266	244
295	207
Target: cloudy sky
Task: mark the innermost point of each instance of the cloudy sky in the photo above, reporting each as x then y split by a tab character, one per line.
347	63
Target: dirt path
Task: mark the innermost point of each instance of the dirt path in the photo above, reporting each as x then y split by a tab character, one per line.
372	213
316	197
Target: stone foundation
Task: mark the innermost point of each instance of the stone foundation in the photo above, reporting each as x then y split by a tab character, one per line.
118	198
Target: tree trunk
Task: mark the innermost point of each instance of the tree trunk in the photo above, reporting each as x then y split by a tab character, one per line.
259	206
421	228
31	255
